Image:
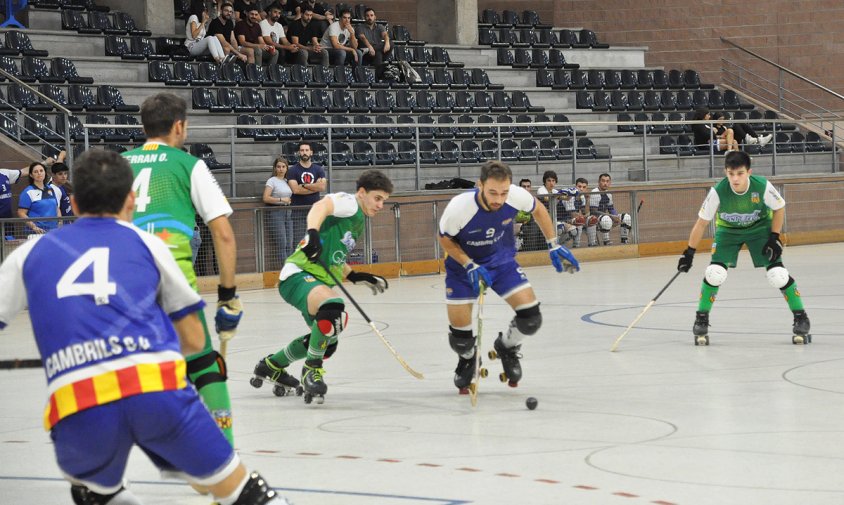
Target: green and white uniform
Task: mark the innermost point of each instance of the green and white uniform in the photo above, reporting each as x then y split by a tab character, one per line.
339	234
171	188
742	219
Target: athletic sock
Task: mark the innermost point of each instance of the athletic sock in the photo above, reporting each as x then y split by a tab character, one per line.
707	297
792	297
215	395
317	344
294	351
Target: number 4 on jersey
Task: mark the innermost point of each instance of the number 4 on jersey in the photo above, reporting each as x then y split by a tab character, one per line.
100	289
141	189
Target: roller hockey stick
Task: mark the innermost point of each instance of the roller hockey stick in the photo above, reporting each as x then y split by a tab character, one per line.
641	314
479	372
371	324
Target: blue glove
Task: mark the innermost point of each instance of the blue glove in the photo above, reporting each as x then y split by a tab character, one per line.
477	274
229	313
562	258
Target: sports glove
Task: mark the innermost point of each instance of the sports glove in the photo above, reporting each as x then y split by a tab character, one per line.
229	312
477	274
562	258
773	247
685	263
374	282
567	191
313	245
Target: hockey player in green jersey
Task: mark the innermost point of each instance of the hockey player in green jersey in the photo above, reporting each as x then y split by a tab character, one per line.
171	187
748	210
334	225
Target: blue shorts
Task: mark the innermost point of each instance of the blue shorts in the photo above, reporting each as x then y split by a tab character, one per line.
172	427
507	278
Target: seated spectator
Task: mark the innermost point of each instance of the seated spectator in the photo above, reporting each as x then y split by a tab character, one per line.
721	139
603	215
744	132
242	8
374	39
341	41
273	34
305	33
38	200
195	33
248	32
222	27
316	8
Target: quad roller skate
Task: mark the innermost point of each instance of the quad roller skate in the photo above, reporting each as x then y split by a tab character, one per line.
801	328
464	374
283	383
509	356
313	387
701	328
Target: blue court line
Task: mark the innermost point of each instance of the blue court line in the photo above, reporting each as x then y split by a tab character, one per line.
443	501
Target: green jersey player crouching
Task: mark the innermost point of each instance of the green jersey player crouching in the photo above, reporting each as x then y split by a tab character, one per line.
334	225
747	210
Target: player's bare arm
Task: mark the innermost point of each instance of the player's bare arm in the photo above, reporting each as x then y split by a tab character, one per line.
226	248
319	211
700	227
191	334
454	250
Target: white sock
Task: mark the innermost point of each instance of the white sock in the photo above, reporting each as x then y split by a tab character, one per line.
229	500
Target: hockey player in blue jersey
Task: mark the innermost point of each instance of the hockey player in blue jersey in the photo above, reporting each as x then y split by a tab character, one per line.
114	360
476	231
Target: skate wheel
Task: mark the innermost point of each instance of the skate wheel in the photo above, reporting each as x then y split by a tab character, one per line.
801	339
308	398
463	391
279	391
492	355
513	384
502	377
702	340
484	372
255	382
320	400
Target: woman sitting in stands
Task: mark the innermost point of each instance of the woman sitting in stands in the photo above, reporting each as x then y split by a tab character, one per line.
195	32
722	139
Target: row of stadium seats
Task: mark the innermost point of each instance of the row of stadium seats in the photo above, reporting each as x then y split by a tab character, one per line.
783	143
602	101
534	58
98	22
620	79
384	127
77	5
34	69
539	38
76	99
37	126
508	18
340	101
182	73
689	116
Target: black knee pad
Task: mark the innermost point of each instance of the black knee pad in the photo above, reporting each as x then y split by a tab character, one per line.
331	318
461	341
528	321
201	363
256	491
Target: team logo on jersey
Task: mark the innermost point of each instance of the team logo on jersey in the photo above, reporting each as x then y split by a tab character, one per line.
223	418
506	222
309	278
754	197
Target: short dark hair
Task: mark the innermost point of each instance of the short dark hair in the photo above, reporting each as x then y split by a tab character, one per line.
581	179
226	4
306	8
367	10
522	181
59	167
608	176
736	159
160	112
274	7
495	169
701	113
304	143
344	12
371	180
101	181
549	174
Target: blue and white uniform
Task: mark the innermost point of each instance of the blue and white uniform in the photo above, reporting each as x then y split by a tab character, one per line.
63	199
40	203
102	294
488	239
601	203
7	179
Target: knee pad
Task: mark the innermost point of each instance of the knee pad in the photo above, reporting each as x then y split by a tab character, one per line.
626	221
778	276
715	274
578	221
331	318
592	221
83	496
528	321
207	369
461	341
256	491
605	223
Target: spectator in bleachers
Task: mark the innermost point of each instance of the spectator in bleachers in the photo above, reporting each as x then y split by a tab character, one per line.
375	39
305	33
222	27
341	41
248	32
273	34
744	131
721	139
38	200
280	223
526	184
242	8
61	188
602	208
195	33
316	8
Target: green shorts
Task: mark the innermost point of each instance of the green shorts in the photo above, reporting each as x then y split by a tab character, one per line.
295	290
727	244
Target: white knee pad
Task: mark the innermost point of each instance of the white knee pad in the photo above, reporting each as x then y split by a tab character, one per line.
778	277
626	221
715	275
605	223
